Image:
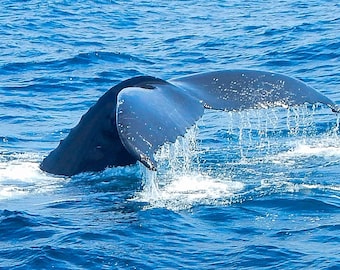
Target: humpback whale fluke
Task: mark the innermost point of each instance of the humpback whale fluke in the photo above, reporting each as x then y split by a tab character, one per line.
135	117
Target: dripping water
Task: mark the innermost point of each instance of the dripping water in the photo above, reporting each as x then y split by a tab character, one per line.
228	156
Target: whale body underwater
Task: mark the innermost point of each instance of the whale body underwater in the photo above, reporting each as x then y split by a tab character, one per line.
133	119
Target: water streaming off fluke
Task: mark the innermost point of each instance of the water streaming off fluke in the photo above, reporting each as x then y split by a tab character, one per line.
241	155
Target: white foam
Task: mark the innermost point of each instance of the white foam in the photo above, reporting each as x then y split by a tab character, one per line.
200	186
325	146
187	190
22	176
308	150
320	147
290	187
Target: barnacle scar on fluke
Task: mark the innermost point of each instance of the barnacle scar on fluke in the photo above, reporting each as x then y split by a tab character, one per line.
134	118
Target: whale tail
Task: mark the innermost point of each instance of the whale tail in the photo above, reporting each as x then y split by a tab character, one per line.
146	119
133	119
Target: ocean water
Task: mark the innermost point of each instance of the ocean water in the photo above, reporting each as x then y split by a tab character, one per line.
258	189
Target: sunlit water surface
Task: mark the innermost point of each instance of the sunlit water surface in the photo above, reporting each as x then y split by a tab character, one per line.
242	190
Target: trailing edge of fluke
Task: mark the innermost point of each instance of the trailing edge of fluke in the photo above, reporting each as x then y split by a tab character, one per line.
137	116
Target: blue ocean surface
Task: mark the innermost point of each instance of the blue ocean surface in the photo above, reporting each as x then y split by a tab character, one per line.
258	189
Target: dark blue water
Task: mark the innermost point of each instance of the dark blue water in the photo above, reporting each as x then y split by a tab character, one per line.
258	189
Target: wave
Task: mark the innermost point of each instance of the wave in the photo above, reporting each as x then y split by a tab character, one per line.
81	59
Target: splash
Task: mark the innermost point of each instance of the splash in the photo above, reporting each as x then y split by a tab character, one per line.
324	145
234	156
187	190
180	183
21	176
